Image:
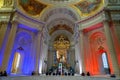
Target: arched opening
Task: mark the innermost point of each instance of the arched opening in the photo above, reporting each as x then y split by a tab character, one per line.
105	63
16	62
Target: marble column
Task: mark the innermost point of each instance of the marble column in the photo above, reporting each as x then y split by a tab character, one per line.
111	48
41	55
82	50
9	46
3	30
44	52
38	52
77	58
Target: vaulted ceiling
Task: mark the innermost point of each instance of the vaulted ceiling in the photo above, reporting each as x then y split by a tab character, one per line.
59	15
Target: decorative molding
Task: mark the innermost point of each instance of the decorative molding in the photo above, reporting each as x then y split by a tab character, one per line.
8	3
116	22
5	14
91	20
91	17
64	11
61	21
76	34
113	1
46	36
22	19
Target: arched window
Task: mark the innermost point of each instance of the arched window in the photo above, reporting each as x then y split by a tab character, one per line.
105	60
16	62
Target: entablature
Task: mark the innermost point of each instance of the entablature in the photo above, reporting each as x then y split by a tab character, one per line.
22	19
113	4
5	14
85	23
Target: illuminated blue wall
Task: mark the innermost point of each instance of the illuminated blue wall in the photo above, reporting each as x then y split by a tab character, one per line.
23	39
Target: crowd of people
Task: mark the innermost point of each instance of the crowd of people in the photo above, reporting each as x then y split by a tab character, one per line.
87	74
3	73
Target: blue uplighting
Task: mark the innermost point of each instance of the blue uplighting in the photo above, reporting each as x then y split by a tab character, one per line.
24	40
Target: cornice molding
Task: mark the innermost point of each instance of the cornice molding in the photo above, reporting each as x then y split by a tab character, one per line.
91	20
91	17
22	19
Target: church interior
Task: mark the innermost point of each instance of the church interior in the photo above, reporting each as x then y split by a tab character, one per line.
60	37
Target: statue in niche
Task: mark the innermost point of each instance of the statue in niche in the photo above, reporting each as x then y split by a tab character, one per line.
61	45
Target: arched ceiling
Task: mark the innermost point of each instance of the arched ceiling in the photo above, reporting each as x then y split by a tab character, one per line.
60	15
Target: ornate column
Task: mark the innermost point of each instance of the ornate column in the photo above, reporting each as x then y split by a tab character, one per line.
9	46
82	50
111	49
3	30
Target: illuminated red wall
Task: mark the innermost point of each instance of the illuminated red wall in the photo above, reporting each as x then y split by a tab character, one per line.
94	38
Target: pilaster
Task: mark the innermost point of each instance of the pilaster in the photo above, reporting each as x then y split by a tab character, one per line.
9	46
82	50
111	48
38	52
3	30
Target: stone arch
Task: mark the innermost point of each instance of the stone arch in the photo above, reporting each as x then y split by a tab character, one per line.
58	11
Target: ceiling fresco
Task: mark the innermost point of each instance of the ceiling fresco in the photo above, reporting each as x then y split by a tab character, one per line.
88	7
84	8
32	7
